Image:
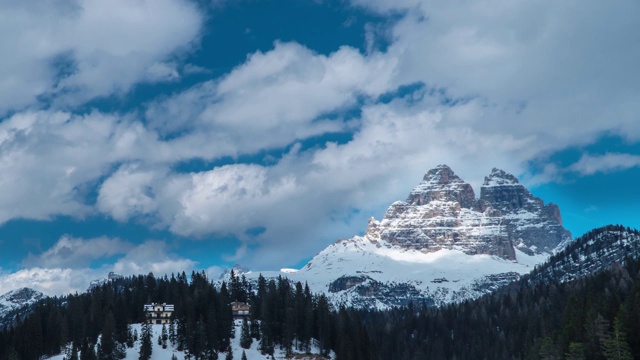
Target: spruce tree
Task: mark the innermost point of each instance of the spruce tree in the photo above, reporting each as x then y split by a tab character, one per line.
146	347
229	354
576	352
165	336
244	356
616	346
245	335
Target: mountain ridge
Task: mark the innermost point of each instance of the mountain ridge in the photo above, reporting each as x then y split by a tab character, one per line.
440	245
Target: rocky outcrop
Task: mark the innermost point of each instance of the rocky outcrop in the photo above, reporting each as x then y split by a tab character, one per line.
530	222
442	212
440	245
16	304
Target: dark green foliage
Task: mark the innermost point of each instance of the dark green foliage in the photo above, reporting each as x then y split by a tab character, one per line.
245	335
145	342
593	318
288	318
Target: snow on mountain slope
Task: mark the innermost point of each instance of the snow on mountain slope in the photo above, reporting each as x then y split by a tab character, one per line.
13	302
441	245
358	272
158	353
595	251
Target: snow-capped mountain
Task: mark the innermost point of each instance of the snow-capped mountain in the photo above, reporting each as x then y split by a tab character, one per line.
596	250
440	245
16	302
112	276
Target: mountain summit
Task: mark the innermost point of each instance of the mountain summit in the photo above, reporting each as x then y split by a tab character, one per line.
441	244
442	212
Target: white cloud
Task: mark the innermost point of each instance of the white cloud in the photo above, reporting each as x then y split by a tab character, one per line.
526	79
50	160
127	193
54	281
62	269
592	164
70	252
283	93
152	256
562	71
162	72
227	199
104	46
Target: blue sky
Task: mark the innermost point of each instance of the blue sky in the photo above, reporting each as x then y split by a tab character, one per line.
172	135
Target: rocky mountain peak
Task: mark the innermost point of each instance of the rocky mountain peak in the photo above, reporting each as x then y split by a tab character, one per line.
442	184
15	302
499	177
442	212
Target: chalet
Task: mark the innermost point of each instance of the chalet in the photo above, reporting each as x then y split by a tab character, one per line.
158	313
240	309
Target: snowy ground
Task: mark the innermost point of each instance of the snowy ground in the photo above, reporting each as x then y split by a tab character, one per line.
165	354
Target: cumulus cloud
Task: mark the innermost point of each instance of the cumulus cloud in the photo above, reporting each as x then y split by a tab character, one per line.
284	93
54	281
51	160
558	71
70	252
504	84
592	164
65	267
75	50
152	256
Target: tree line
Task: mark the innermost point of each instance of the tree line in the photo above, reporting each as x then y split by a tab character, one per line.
596	317
283	315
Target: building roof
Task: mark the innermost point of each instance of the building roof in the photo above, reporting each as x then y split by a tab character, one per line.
152	306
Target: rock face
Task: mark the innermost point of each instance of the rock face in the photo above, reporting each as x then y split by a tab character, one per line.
595	251
17	303
442	212
440	245
111	277
531	223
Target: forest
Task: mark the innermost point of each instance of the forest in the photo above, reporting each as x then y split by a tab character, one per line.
594	317
282	314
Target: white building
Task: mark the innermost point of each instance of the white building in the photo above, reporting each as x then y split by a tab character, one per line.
158	313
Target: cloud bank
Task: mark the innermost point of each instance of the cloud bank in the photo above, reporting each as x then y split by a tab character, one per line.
471	84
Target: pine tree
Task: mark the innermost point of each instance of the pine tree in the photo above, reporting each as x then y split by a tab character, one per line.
229	354
172	333
244	356
146	347
245	335
88	351
616	346
72	352
130	338
255	329
164	336
576	352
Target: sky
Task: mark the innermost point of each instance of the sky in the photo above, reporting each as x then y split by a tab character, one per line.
177	135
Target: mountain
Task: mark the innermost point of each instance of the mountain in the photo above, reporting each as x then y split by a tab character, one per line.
111	277
17	302
595	251
440	245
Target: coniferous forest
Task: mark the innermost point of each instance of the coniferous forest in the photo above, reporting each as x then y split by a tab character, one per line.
595	317
282	315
